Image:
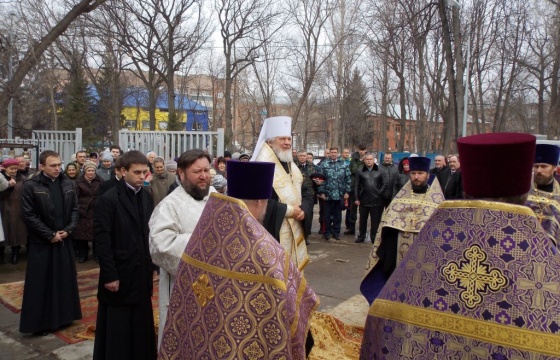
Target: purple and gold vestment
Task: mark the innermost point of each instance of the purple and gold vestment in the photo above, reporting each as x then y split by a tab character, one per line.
481	281
546	206
237	294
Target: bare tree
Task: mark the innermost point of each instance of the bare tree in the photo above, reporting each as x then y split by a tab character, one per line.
37	49
242	39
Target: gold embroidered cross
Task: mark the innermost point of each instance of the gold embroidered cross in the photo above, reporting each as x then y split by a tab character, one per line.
409	336
539	286
473	276
468	349
419	265
202	290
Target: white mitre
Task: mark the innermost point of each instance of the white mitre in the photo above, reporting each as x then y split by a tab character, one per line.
273	127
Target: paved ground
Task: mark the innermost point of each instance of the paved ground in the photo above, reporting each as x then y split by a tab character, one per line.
334	273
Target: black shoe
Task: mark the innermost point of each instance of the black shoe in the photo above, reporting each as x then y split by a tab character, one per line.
15	259
41	333
350	232
337	237
306	242
327	238
82	260
358	240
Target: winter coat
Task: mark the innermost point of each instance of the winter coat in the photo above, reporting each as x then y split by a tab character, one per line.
10	206
86	193
105	173
338	179
121	241
159	186
369	185
38	208
392	174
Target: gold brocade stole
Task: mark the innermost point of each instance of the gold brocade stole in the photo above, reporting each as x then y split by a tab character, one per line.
288	188
408	212
544	205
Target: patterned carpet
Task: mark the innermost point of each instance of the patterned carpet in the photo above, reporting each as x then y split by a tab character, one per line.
334	339
11	296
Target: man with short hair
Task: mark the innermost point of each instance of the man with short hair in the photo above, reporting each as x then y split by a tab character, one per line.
50	213
335	190
391	173
453	187
400	224
125	322
174	219
440	169
345	156
310	157
544	196
261	317
81	158
115	152
290	208
369	184
479	282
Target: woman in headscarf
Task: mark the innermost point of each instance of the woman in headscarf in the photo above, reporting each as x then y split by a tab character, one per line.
404	170
71	172
86	189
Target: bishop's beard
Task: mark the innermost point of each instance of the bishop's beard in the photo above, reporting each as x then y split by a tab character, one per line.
283	155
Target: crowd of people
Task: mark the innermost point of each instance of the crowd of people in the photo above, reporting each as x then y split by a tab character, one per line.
228	237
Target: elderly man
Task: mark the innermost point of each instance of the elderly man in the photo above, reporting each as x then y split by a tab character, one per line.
440	170
174	220
544	196
481	279
400	224
453	187
289	212
233	288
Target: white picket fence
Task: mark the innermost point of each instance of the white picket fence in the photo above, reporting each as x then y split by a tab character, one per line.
66	143
171	144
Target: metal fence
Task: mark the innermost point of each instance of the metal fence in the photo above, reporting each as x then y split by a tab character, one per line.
170	144
66	143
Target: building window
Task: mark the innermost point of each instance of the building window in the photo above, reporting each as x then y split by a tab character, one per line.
398	128
130	124
146	124
163	125
388	126
196	126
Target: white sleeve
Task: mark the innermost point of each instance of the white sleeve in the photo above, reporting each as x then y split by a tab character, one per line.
167	240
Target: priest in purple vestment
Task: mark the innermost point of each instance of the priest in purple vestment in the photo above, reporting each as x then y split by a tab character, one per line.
237	294
482	279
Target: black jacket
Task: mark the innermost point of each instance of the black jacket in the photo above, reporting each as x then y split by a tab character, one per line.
453	187
38	209
121	240
369	185
392	175
441	174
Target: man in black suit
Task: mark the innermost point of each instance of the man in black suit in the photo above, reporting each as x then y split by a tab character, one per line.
125	323
453	187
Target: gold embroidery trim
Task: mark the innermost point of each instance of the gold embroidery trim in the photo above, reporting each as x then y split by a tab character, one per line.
234	275
488	205
505	335
299	296
202	290
230	199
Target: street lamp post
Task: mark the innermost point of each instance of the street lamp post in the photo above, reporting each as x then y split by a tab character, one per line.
10	74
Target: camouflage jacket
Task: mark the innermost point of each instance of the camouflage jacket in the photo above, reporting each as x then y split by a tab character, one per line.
338	179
